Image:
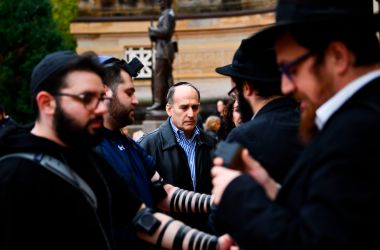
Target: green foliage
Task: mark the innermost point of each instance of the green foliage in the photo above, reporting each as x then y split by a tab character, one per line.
64	11
27	33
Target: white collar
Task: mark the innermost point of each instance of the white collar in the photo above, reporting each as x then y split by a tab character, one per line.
326	110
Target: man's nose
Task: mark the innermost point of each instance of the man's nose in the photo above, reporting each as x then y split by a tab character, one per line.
287	86
101	108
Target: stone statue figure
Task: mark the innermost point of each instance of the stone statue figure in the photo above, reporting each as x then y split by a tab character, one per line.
161	35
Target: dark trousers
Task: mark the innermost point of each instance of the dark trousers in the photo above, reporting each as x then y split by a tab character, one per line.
162	80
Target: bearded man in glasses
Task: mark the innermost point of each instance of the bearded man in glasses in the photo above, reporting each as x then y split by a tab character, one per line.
329	56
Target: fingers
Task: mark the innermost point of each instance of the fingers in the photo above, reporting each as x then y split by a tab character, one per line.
216	170
221	177
248	161
225	242
218	161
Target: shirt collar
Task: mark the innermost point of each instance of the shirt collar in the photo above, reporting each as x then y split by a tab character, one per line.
179	133
325	111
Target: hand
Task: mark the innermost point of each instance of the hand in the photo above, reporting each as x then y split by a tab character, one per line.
225	242
221	177
260	175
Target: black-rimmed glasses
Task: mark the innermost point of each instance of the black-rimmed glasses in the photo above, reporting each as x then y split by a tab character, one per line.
286	69
89	100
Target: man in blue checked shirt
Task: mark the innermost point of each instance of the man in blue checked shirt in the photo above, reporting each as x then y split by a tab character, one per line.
183	152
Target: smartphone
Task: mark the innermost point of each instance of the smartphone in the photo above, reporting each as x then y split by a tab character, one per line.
231	154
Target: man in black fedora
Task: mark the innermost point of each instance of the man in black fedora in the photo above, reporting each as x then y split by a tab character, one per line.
271	134
329	56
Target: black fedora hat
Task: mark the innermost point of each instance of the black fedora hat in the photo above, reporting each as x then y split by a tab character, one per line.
320	13
252	64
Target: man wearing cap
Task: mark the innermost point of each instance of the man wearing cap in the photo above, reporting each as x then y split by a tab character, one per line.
55	192
329	56
271	135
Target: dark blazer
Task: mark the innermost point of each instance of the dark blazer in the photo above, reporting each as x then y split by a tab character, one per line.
329	200
171	159
272	136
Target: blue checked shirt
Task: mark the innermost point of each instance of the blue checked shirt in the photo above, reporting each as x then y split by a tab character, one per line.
189	146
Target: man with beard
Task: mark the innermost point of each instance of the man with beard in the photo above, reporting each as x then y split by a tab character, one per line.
329	56
55	192
127	157
271	135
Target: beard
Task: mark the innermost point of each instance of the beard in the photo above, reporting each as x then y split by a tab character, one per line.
120	114
307	128
73	134
324	91
245	109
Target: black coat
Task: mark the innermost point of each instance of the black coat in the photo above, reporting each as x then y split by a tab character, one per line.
171	159
329	200
272	136
40	210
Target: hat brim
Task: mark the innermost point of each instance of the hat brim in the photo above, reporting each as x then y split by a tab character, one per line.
228	70
267	36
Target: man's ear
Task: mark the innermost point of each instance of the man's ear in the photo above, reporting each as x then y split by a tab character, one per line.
339	58
109	92
46	103
168	108
247	88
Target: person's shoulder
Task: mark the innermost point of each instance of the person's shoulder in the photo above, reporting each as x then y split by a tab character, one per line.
149	136
249	127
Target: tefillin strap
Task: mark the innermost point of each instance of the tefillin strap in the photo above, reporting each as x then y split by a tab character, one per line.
184	201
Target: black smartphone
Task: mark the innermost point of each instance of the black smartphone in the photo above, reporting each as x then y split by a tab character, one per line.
231	154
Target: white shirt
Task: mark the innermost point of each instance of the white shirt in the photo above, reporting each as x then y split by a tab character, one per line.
325	111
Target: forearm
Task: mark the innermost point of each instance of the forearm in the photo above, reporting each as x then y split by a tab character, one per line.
172	234
183	201
173	199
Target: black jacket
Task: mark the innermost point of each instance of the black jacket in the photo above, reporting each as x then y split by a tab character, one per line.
330	198
171	159
39	210
272	136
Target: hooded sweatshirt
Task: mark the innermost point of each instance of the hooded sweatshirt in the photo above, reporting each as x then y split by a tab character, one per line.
40	210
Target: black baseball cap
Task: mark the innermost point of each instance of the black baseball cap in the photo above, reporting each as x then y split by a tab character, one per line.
49	66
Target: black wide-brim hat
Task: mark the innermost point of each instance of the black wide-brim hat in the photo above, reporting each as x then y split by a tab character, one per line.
320	14
250	63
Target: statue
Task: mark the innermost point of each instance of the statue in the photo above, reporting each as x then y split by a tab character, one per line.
161	35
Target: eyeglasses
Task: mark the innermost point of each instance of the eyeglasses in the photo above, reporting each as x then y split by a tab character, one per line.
89	100
232	93
286	69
